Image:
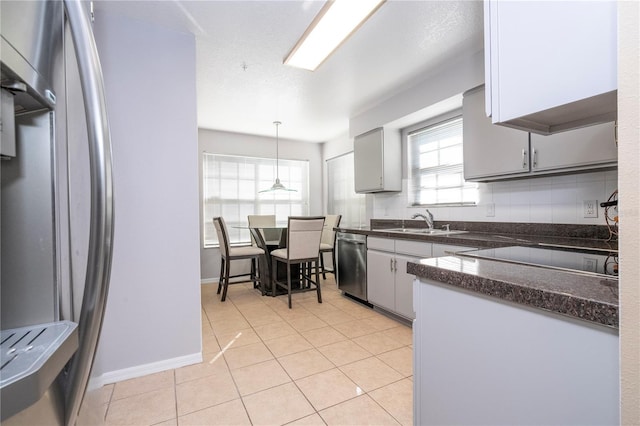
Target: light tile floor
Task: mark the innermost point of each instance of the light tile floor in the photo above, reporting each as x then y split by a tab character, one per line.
334	363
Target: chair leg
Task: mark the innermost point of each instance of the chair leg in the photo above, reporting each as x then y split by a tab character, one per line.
321	257
318	286
304	282
333	262
253	275
221	275
261	275
289	283
274	276
226	281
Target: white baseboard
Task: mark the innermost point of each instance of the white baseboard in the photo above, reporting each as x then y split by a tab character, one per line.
216	280
143	370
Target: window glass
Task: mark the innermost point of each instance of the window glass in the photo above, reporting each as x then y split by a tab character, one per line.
231	186
436	165
342	197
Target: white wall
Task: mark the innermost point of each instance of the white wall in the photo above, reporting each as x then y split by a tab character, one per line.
336	147
421	101
219	142
629	179
152	319
553	199
542	200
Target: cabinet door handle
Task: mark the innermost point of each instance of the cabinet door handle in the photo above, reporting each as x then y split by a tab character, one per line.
524	158
395	265
391	265
535	158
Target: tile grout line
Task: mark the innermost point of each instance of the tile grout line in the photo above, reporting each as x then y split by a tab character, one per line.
208	307
263	341
277	359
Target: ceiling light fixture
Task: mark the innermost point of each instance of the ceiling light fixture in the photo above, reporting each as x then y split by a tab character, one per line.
277	186
335	22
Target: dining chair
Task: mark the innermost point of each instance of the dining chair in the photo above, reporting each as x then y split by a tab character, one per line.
228	254
328	242
303	250
259	221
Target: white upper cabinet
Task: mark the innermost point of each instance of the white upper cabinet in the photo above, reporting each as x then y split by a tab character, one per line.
495	152
490	150
550	65
377	161
588	147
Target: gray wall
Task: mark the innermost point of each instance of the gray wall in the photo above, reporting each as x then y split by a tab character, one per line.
218	142
152	320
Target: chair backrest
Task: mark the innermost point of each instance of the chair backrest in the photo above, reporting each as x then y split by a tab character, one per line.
328	234
261	221
223	239
303	237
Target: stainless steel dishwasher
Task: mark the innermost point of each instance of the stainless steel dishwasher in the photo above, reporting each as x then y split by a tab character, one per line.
352	264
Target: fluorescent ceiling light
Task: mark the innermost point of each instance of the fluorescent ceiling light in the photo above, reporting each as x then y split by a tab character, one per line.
337	20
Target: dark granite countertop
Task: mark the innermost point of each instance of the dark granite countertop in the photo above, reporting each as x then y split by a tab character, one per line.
578	295
587	297
489	234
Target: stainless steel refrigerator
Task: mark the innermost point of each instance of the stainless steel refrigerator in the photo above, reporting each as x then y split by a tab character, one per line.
56	210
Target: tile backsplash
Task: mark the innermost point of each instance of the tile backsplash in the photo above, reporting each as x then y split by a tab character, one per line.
550	199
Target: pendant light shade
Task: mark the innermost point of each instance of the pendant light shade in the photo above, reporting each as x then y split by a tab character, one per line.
277	185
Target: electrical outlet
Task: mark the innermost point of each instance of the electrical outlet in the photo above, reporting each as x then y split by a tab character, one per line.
590	208
590	264
491	210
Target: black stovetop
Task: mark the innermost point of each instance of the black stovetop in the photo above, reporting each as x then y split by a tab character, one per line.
591	262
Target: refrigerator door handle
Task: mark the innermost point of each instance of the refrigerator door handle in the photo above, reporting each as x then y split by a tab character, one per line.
102	214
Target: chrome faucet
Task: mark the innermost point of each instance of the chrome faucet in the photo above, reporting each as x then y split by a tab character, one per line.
427	218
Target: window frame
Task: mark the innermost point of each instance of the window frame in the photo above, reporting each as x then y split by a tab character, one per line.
253	205
412	152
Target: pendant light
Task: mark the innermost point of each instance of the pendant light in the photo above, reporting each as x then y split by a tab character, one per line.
277	186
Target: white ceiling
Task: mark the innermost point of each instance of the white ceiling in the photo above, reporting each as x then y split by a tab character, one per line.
242	85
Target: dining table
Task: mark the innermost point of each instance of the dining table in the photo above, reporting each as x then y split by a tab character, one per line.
270	238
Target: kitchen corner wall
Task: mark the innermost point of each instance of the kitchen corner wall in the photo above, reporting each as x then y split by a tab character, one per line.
152	318
629	164
552	199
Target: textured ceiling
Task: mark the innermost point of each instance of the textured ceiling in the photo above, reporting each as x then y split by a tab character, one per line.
242	85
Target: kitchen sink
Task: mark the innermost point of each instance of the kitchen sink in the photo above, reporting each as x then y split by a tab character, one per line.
423	231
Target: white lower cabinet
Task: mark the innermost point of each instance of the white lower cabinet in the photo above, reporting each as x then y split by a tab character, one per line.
381	278
388	284
404	287
479	360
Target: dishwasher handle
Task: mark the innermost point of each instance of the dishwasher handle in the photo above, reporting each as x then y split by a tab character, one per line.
350	241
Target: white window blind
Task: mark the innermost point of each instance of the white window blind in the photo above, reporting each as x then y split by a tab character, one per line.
341	194
231	186
436	166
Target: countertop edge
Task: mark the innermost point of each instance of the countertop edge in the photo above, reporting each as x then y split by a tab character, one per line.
487	240
594	311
